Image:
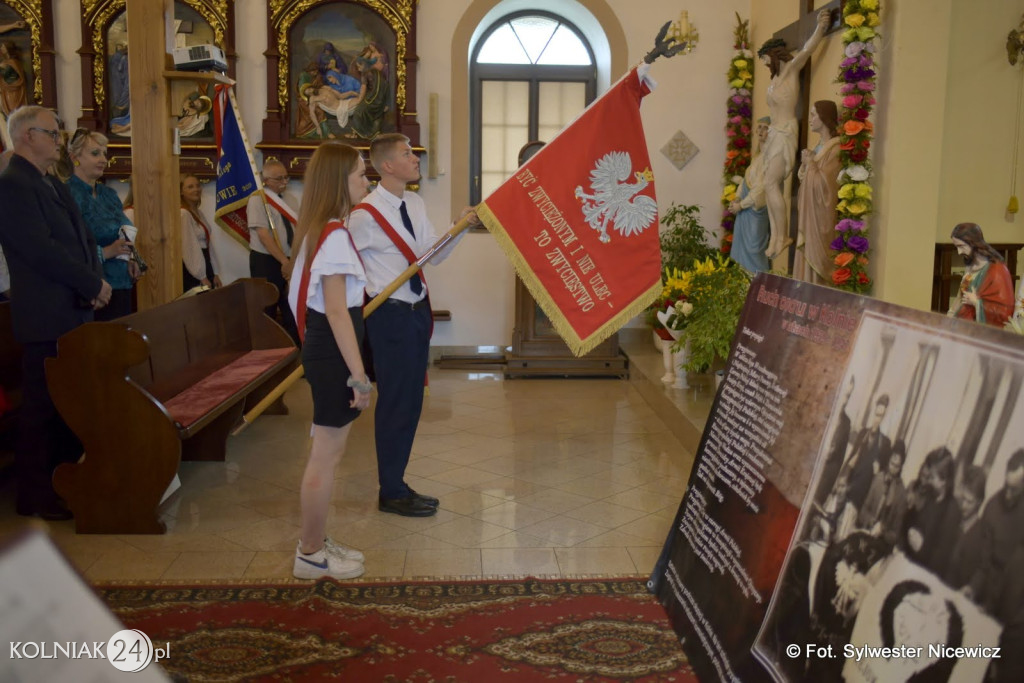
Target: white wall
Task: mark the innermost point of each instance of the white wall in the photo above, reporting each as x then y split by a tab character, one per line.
476	283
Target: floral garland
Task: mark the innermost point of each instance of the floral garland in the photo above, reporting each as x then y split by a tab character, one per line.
737	128
857	74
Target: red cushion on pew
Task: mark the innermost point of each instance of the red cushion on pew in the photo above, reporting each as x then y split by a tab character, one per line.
212	390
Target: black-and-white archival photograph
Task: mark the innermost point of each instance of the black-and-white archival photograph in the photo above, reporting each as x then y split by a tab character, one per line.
908	557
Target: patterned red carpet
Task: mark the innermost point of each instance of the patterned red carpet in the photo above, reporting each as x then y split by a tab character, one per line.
478	631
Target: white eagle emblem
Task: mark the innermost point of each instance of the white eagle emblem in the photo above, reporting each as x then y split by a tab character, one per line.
615	201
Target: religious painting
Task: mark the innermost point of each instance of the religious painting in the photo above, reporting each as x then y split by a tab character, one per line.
344	71
191	101
341	60
25	27
106	99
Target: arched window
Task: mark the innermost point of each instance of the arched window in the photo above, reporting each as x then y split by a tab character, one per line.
531	73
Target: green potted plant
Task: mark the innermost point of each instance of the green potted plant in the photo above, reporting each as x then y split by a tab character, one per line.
683	238
716	293
683	243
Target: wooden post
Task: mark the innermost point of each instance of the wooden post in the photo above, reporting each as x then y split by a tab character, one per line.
154	164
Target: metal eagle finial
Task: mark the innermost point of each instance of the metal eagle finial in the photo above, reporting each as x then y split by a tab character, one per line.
681	38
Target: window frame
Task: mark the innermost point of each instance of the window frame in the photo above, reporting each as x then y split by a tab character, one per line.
533	74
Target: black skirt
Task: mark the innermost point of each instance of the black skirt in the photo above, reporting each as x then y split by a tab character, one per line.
188	281
327	371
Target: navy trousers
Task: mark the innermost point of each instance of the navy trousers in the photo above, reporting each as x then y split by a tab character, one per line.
400	340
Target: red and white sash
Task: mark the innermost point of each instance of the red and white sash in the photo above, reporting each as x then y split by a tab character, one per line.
279	204
300	313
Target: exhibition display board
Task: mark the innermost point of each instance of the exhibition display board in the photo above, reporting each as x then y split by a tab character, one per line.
856	508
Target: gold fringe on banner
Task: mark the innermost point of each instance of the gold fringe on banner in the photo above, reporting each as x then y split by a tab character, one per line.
578	346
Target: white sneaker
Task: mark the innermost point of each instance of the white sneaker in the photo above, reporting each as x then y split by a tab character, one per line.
343	551
322	563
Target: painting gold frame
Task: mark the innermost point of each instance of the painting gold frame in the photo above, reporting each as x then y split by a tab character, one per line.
398	19
198	157
38	18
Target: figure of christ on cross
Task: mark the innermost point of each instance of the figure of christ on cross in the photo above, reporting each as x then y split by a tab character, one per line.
781	144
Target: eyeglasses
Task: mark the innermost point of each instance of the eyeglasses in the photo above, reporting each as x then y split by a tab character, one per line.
54	134
277	177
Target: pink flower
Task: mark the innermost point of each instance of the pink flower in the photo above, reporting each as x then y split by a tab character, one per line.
736	119
852	101
866	86
848	88
869	100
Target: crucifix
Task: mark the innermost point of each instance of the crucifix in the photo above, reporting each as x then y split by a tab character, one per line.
794	36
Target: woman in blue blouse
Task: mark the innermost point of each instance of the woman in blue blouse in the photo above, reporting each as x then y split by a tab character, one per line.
102	212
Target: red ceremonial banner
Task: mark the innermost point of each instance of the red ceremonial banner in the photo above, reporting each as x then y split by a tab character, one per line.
579	220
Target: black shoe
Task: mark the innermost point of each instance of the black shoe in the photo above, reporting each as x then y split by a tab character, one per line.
410	506
53	511
429	500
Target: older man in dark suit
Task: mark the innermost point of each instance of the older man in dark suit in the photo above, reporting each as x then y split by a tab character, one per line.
870	454
56	283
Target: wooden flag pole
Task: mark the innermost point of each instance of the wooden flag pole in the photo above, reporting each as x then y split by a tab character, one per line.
369	308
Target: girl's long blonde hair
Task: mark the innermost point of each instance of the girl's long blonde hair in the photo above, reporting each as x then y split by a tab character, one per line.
325	192
194	210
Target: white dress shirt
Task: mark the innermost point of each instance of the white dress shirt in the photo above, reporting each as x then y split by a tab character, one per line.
382	259
256	216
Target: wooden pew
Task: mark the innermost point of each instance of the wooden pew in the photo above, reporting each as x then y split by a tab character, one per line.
155	387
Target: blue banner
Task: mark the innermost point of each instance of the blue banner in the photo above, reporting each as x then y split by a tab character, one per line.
237	178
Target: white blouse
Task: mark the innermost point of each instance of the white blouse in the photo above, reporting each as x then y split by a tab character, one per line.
336	257
193	241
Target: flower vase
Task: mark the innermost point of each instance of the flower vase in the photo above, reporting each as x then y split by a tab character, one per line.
671	375
679	359
666	356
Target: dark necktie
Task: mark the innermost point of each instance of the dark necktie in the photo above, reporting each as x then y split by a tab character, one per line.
415	284
288	230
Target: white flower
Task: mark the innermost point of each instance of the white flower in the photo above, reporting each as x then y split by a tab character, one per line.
858	173
854	49
684	307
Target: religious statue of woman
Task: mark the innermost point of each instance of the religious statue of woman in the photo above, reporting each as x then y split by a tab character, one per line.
750	231
367	117
816	198
780	147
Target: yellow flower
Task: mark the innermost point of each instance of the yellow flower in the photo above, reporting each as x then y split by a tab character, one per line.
841	206
745	75
854	20
869	4
846	191
865	34
862	190
705	268
740	63
850	35
736	83
857	207
873	19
